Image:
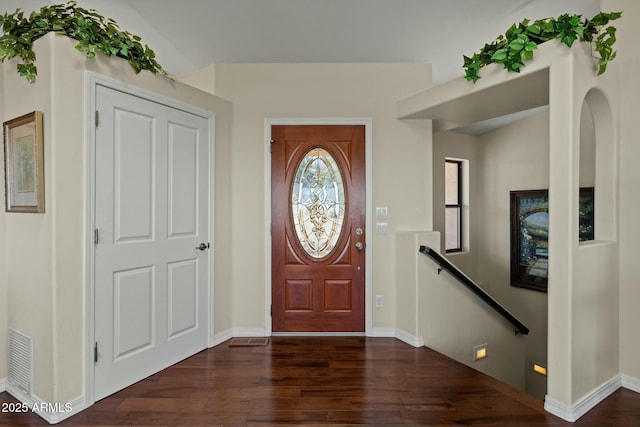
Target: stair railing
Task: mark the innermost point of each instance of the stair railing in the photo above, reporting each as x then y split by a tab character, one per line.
475	288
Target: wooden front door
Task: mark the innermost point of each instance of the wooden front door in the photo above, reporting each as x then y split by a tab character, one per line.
318	228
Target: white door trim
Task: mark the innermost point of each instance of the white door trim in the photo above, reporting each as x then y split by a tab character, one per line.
367	122
92	81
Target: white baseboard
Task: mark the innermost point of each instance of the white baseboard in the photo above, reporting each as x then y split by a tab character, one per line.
574	412
317	334
409	338
375	333
3	384
249	332
382	333
222	337
51	412
631	383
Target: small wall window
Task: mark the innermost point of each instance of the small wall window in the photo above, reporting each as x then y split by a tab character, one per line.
453	205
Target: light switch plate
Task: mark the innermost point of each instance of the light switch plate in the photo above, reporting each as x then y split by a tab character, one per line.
382	228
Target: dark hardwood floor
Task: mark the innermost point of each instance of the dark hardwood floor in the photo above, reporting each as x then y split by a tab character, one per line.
313	381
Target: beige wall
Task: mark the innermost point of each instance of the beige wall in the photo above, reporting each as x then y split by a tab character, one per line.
29	238
627	62
513	158
463	147
451	319
578	288
45	263
401	155
3	248
595	283
223	318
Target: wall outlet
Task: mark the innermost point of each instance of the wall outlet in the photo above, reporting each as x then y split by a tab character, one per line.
379	300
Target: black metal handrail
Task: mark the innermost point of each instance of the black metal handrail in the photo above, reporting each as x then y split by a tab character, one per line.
473	287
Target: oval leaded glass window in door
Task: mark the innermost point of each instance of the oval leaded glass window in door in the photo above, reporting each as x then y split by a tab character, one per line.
317	203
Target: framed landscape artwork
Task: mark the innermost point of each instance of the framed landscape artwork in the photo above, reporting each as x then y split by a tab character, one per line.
24	163
530	235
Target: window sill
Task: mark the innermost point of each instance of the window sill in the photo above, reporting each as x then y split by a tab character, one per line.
462	252
593	243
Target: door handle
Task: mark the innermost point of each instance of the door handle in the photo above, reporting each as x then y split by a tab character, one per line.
203	246
359	246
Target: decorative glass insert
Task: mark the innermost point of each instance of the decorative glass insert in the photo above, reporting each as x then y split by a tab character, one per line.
317	202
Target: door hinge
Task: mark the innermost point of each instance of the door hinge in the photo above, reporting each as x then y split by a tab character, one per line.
97	118
271	310
95	353
96	236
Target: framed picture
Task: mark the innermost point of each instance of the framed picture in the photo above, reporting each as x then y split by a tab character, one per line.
530	239
24	163
530	235
586	220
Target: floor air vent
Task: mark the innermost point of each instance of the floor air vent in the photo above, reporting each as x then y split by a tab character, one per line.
20	361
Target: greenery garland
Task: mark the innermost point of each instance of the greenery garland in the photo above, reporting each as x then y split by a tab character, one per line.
93	32
519	42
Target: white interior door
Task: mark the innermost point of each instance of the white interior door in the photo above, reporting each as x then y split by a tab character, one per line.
152	215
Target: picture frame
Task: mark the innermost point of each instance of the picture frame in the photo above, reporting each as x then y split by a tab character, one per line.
586	220
529	212
529	239
24	163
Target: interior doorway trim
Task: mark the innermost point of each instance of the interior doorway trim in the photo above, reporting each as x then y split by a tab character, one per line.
367	122
92	81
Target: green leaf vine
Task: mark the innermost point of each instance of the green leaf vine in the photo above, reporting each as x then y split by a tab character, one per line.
93	32
520	41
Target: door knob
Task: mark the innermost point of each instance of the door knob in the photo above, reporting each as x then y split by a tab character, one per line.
203	246
359	246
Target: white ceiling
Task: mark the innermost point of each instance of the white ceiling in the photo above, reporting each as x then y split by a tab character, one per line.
190	34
